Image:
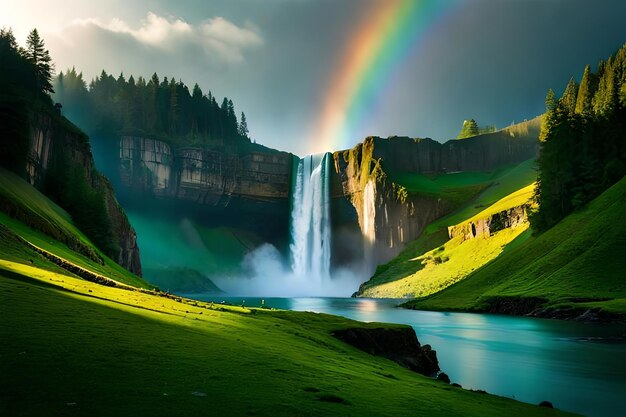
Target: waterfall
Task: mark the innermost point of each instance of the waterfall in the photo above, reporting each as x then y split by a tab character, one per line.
369	213
310	219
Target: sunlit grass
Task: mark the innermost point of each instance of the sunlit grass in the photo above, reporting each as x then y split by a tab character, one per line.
582	257
73	347
34	203
445	265
516	199
432	262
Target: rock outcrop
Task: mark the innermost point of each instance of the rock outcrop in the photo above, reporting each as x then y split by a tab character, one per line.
398	344
487	226
54	140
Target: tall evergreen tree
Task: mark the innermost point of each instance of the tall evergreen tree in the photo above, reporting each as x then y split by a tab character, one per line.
569	96
582	153
606	96
174	107
586	91
37	53
243	126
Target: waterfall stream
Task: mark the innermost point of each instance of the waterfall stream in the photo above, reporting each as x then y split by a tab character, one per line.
310	219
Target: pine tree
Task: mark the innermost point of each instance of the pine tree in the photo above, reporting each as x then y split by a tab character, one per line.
469	129
605	98
37	53
586	91
550	100
173	107
243	126
569	96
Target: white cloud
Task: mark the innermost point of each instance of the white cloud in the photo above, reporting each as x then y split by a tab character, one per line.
216	38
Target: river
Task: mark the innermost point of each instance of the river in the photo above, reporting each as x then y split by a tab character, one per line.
578	367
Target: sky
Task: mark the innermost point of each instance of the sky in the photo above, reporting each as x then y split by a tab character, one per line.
320	75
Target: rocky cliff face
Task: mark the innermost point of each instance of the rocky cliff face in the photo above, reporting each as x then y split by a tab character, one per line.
48	138
203	176
125	235
52	141
480	153
387	215
249	188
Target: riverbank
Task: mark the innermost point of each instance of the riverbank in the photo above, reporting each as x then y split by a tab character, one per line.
575	270
577	366
88	349
578	309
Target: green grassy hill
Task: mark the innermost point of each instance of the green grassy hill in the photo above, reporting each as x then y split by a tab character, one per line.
27	214
452	261
71	347
402	276
575	266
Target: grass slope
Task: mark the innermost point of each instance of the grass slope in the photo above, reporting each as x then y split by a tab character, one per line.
575	265
432	262
439	268
31	203
71	347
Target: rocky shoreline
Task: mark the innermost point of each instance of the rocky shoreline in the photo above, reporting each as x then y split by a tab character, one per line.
537	307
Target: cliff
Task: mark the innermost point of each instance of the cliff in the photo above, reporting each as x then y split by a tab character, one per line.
388	214
447	253
60	158
234	186
479	153
124	233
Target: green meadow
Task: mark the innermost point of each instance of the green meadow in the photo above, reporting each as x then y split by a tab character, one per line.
578	264
433	262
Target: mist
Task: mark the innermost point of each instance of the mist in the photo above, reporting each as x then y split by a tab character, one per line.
267	273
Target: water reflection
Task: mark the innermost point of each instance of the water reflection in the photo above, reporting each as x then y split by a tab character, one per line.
578	367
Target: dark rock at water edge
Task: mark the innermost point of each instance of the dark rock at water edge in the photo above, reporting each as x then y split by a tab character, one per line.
442	376
398	344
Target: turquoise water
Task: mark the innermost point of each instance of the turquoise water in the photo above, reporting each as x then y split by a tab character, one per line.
578	367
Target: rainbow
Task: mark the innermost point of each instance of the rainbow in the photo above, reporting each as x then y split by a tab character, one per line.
378	47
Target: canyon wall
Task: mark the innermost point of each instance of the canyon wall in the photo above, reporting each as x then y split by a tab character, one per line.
247	187
56	146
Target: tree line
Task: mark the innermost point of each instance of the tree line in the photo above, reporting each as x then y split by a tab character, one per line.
25	88
162	108
583	141
25	81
